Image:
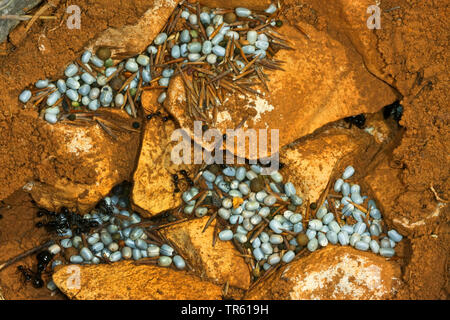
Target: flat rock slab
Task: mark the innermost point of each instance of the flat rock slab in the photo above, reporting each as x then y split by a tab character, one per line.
349	17
309	163
220	263
136	38
323	81
125	281
153	189
85	162
332	273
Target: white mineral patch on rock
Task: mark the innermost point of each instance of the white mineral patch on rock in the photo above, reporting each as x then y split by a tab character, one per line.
80	143
261	106
353	274
223	116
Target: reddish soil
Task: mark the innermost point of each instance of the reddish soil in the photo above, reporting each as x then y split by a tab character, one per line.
413	44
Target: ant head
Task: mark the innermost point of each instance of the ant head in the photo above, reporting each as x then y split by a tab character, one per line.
38	283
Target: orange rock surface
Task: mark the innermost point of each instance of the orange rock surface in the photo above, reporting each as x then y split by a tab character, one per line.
125	281
220	263
309	163
153	190
323	81
332	273
349	17
136	38
106	162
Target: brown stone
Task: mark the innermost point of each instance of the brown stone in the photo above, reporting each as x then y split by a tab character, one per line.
323	81
349	18
153	190
106	162
220	263
136	38
125	281
332	273
309	163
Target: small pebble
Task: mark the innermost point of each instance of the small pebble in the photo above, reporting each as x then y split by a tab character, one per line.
51	118
258	254
322	239
66	243
374	246
315	224
137	254
160	39
71	70
25	96
275	226
338	185
348	172
103	53
115	256
273	259
179	262
193	19
276	239
143	60
96	61
387	252
240	237
354	239
312	245
332	237
86	56
271	9
131	65
361	245
345	189
86	254
394	235
343	238
153	251
41	84
76	259
242	12
229	17
54	249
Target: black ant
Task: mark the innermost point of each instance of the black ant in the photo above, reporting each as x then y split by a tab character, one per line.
103	207
175	183
358	120
43	258
158	114
64	220
43	212
167	118
154	114
186	177
395	110
56	223
29	275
